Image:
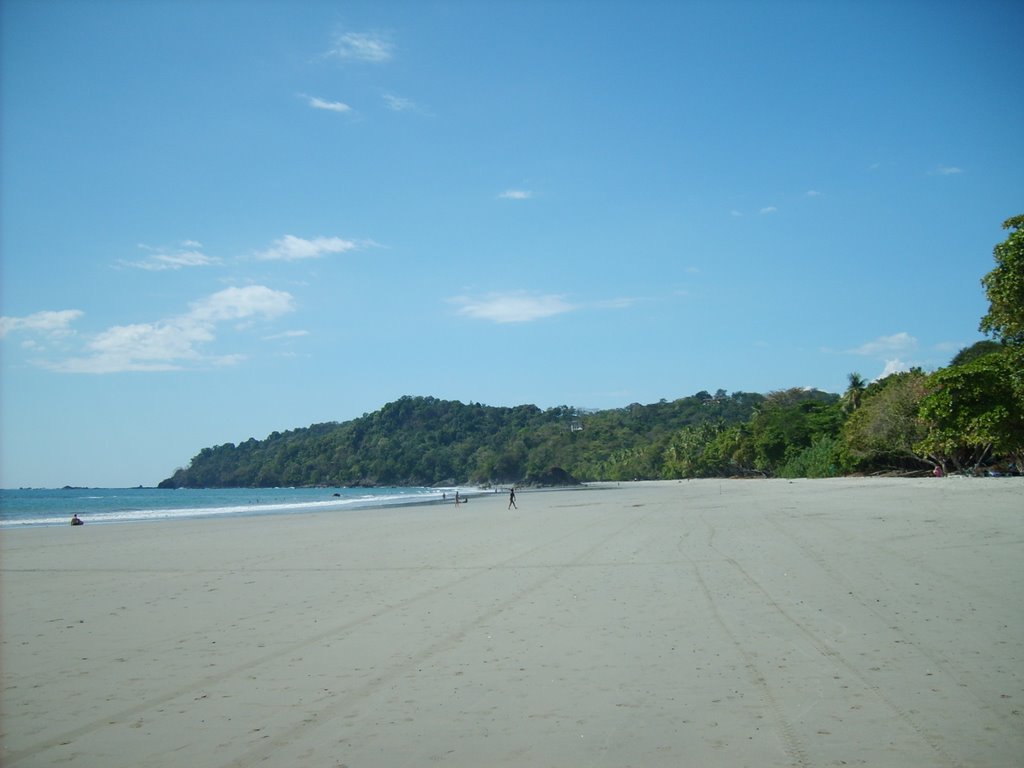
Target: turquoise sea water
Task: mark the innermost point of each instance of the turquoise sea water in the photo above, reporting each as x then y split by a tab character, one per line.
35	507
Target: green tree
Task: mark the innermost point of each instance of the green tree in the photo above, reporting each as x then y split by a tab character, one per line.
976	350
854	392
790	421
1004	286
975	411
883	432
732	451
819	459
686	454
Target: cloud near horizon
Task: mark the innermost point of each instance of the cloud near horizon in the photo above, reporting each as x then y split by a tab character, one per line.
170	344
896	344
892	350
516	194
893	366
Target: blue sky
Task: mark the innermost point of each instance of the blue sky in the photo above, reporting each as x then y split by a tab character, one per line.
221	219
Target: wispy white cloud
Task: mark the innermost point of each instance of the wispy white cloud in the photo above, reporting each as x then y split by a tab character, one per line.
623	302
159	346
814	193
895	352
292	248
286	335
331	106
769	209
897	344
514	307
735	214
398	103
159	259
362	46
946	170
172	343
516	194
53	324
525	306
239	304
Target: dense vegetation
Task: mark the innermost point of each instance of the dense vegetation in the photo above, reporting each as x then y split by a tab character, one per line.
426	441
962	417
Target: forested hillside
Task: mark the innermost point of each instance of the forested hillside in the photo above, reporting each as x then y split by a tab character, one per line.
965	417
426	441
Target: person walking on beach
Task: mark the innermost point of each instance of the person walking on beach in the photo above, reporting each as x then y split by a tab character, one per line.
512	498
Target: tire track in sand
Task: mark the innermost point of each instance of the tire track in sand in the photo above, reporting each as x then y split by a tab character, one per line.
272	744
128	714
832	654
936	661
791	741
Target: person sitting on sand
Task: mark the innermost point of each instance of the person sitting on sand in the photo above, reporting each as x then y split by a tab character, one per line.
76	521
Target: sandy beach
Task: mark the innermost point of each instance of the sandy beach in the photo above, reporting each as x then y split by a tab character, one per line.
759	623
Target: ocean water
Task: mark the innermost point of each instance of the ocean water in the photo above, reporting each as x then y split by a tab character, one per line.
39	507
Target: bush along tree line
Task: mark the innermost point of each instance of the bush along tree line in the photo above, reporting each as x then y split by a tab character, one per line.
960	418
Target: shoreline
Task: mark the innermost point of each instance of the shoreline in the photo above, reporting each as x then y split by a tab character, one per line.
114	509
261	508
655	623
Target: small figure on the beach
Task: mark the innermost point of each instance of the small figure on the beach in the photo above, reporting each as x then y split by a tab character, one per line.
937	471
512	498
457	500
75	520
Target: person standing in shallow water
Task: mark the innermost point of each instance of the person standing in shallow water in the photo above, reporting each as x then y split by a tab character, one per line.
512	498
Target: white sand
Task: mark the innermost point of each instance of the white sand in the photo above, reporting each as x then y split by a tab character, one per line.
705	623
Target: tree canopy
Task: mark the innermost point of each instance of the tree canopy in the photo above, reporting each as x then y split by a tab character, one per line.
426	441
975	410
1004	286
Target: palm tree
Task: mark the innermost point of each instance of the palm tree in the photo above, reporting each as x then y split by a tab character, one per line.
851	399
